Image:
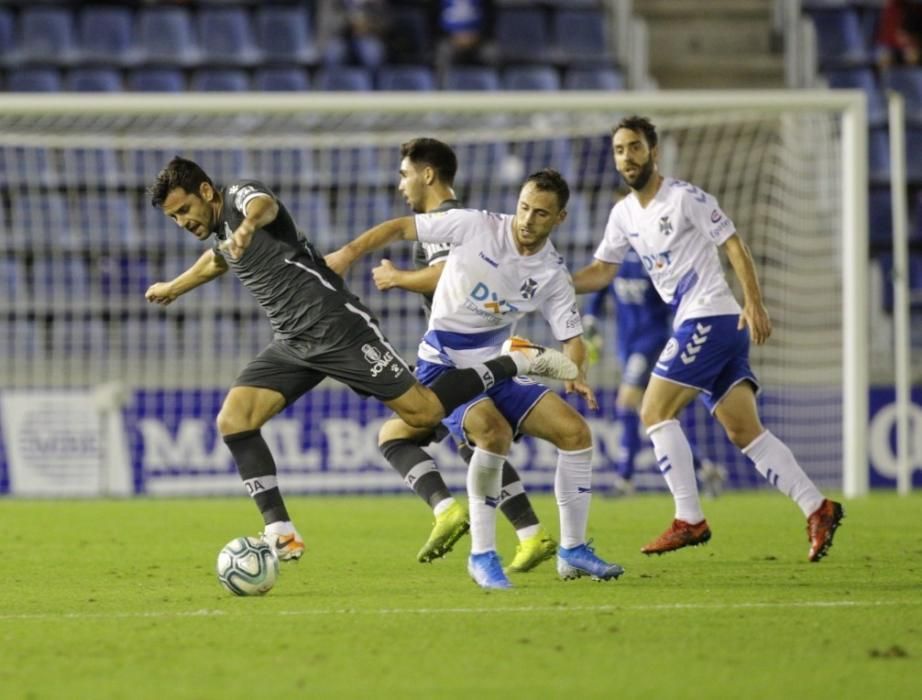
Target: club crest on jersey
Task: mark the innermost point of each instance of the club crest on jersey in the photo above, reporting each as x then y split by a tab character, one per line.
487	300
378	360
528	288
665	226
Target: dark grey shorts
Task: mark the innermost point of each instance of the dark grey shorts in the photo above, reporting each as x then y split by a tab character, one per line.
369	366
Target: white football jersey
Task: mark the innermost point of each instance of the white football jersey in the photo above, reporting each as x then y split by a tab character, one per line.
676	237
487	286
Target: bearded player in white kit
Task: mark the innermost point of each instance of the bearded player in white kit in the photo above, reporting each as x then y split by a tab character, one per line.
676	230
501	267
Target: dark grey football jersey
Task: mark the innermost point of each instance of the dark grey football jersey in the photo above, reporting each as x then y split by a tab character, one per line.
302	297
426	254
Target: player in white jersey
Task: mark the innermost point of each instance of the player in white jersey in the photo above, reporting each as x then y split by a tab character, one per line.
501	267
676	230
427	172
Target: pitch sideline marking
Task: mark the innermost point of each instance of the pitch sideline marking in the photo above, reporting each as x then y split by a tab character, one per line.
460	611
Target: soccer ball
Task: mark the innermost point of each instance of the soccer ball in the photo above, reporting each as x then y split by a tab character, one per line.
248	566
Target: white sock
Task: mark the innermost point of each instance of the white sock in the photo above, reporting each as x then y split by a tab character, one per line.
775	461
528	531
484	482
573	488
443	505
280	527
674	459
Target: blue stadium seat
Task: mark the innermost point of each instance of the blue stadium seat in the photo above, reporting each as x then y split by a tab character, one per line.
21	338
34	80
311	214
89	166
522	34
417	78
94	80
281	79
156	80
226	36
545	153
579	36
343	78
861	78
600	78
13	282
347	165
479	162
79	336
471	78
578	226
25	165
222	165
106	34
39	221
914	155
906	80
276	166
166	36
592	159
839	38
57	279
531	78
219	80
361	211
46	35
105	222
139	337
880	216
915	230
879	157
126	275
7	32
283	34
365	51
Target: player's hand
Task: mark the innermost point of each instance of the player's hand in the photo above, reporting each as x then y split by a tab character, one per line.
755	316
385	275
238	241
338	261
160	293
580	387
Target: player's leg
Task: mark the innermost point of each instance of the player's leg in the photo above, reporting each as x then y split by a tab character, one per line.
627	407
535	543
551	418
267	384
737	413
401	445
486	428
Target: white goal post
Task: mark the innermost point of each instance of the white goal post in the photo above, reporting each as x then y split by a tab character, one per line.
789	167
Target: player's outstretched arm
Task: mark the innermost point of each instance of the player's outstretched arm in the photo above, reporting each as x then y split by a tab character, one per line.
595	276
423	281
260	211
575	349
373	239
206	268
754	313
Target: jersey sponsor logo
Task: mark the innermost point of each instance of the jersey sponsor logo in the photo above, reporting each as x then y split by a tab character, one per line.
492	262
380	361
528	288
657	261
486	300
722	226
715	216
665	226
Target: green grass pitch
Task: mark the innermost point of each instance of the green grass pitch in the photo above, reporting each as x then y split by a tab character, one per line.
104	599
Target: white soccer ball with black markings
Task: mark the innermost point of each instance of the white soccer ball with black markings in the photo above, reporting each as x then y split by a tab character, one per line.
248	566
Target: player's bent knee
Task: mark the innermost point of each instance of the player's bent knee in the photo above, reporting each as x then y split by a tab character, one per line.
576	435
397	429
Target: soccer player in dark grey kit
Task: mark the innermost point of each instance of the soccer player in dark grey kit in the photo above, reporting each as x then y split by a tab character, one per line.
427	172
321	329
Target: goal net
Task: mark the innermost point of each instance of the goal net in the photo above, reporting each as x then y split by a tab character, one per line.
82	244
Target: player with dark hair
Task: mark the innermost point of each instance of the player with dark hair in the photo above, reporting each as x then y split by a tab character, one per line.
427	173
320	330
501	267
676	230
643	325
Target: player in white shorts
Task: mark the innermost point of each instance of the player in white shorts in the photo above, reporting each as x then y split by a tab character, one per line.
501	267
676	230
